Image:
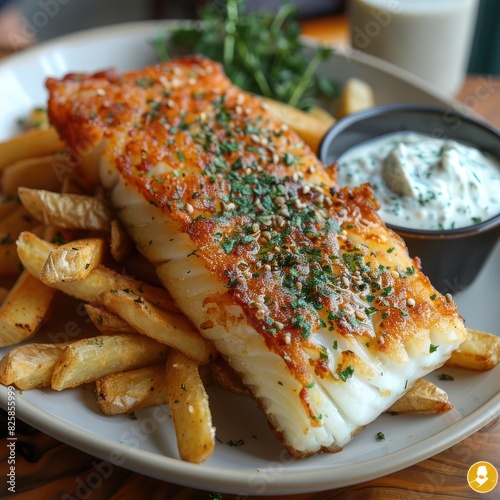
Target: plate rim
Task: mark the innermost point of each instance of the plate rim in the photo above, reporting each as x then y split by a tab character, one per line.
149	463
182	472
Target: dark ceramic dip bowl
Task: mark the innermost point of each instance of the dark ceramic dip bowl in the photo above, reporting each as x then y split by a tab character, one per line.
450	258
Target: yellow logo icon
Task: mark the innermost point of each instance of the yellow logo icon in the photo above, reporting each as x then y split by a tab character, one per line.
482	477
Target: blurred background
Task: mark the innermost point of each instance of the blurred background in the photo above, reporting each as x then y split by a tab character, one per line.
24	21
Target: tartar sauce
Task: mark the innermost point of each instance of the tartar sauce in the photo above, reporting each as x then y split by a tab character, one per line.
425	183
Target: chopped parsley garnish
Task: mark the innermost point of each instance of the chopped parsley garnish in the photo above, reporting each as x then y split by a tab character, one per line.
347	373
303	325
240	442
380	436
433	348
229	244
410	271
289	159
445	376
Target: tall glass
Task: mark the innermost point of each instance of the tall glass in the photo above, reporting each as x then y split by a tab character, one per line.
430	38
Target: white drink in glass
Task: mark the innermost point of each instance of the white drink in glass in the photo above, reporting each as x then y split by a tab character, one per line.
430	38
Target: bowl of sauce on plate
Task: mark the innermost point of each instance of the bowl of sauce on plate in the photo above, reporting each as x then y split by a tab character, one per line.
436	175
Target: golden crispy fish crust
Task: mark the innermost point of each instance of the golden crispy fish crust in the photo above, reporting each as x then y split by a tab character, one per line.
306	261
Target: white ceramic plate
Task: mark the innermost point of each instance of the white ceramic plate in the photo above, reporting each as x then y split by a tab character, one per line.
258	465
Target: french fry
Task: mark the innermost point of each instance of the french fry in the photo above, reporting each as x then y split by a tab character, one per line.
422	397
30	366
171	329
34	251
90	359
356	96
132	390
70	211
19	219
15	222
24	309
480	351
309	127
10	265
107	322
36	142
322	115
188	402
121	245
31	173
73	261
7	205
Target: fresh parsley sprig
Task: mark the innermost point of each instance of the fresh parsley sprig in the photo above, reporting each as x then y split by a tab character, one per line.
261	52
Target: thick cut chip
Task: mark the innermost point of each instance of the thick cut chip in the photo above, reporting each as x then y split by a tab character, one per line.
188	402
38	173
480	351
90	359
72	261
24	309
423	397
132	390
34	252
298	284
18	220
10	265
356	96
72	211
36	142
170	329
310	127
121	245
7	205
107	322
30	366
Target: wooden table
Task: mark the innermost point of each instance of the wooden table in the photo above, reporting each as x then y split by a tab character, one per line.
46	468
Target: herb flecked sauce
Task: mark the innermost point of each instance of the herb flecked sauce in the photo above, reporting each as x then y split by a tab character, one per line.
423	182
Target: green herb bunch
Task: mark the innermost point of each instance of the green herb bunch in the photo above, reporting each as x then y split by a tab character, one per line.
261	52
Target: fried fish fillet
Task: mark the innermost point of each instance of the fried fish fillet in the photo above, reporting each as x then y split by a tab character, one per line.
298	284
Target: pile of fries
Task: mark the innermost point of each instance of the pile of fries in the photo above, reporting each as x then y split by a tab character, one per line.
56	237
